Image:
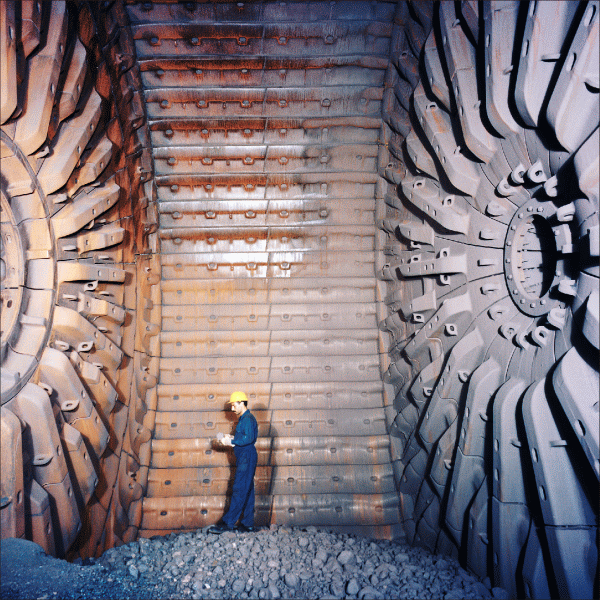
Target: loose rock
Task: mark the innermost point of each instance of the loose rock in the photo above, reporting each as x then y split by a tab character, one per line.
272	563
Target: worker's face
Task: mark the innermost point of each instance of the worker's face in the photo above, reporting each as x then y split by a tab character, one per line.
237	407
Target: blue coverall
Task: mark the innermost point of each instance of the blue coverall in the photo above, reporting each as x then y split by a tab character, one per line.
242	498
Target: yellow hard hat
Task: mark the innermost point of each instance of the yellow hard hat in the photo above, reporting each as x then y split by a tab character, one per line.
238	397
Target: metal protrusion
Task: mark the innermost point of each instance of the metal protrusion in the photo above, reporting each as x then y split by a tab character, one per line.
69	405
592	83
551	187
566	213
520	340
504	188
558	443
540	336
487	262
494	209
46	388
568	287
40	460
536	173
488	234
518	174
556	317
489	288
508	330
451	329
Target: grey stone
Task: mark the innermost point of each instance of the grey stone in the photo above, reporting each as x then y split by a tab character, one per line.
238	586
479	590
369	593
133	571
345	557
291	580
352	587
337	589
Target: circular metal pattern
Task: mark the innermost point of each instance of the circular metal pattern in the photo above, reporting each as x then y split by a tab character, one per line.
28	270
533	265
11	273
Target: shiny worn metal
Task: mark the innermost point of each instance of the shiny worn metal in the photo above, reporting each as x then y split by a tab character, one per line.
378	219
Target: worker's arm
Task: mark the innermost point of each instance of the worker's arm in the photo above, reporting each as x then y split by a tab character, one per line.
245	432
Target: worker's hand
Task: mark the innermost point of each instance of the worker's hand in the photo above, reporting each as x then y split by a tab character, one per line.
227	440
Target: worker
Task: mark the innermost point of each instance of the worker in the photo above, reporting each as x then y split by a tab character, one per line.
242	498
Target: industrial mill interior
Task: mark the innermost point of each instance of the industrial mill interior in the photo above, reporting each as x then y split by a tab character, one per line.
379	219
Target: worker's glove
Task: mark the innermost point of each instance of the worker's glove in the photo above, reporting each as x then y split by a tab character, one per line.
225	439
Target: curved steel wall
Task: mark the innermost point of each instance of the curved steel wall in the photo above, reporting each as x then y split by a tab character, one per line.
491	266
77	229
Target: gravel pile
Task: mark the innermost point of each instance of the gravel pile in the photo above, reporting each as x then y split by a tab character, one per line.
280	562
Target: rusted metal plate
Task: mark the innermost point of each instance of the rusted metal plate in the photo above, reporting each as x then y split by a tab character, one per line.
308	509
271	424
263	343
276	212
272	186
266	11
270	102
272	265
299	395
265	129
260	317
264	71
265	159
273	291
278	480
242	130
248	39
208	239
249	370
333	450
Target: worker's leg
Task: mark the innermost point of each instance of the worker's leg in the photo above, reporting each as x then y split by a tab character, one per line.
248	511
244	477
